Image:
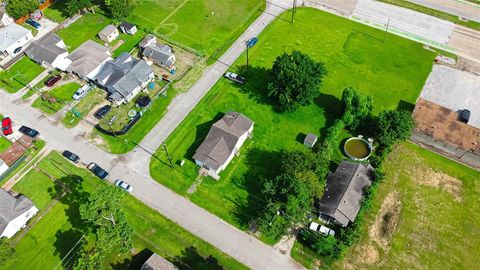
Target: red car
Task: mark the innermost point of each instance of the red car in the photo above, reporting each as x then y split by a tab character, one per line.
7	126
53	80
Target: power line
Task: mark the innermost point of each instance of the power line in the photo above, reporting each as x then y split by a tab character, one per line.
68	253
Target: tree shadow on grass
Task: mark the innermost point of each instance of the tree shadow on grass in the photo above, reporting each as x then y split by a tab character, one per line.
191	259
332	107
256	85
74	196
201	133
135	262
261	164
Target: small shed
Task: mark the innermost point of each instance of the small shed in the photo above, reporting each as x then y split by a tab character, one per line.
310	140
109	33
128	28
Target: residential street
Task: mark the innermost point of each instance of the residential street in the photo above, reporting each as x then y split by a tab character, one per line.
134	166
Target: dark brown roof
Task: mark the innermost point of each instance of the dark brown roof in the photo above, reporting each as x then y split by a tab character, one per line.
16	150
344	191
442	124
222	138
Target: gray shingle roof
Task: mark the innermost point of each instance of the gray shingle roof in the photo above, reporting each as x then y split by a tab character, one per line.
109	29
344	191
87	58
156	262
147	40
46	49
123	75
11	34
221	139
159	55
127	25
11	208
310	139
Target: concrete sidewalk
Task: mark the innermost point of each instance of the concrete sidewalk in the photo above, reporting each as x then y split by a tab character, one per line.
463	9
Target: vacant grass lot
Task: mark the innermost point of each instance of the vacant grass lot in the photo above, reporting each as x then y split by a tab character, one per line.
437	225
57	232
204	25
19	75
392	72
62	94
85	28
57	11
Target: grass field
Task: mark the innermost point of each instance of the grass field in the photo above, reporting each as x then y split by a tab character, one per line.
58	231
393	72
425	216
87	27
433	12
4	143
207	26
62	94
129	42
84	107
19	75
57	11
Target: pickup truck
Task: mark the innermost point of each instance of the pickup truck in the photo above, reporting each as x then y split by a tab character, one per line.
234	77
97	170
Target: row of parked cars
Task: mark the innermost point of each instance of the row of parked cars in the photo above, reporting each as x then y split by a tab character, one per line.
97	171
7	128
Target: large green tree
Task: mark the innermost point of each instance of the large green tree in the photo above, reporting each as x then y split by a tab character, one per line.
119	9
356	107
19	8
103	215
295	80
6	252
74	6
393	126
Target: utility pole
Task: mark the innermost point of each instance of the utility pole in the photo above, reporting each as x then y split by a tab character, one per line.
386	30
294	10
168	155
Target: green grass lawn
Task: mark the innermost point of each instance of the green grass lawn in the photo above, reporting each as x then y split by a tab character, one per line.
84	107
58	231
57	11
4	143
129	42
435	221
62	94
85	28
393	72
207	26
19	75
433	12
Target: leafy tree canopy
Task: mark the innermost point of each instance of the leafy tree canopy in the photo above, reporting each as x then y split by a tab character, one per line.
119	9
6	252
19	8
74	6
393	126
356	106
295	80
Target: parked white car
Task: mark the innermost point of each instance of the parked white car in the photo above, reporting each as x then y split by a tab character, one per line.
321	229
81	92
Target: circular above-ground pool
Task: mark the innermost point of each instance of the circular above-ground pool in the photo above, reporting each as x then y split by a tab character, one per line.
357	149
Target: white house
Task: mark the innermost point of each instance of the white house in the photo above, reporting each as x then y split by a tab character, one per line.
128	28
4	18
49	51
109	33
87	60
13	38
223	142
15	212
3	167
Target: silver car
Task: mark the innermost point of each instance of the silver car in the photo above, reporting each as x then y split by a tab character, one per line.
123	185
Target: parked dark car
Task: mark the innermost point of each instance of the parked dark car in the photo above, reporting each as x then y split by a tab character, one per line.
97	170
30	132
100	113
7	126
71	156
33	23
53	80
465	116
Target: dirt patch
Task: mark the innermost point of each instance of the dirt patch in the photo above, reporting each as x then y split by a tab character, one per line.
445	182
386	222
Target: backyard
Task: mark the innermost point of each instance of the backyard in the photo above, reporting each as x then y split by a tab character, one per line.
19	75
392	72
84	107
85	28
425	211
52	101
56	233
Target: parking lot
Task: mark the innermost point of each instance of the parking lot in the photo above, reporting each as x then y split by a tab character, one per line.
454	89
